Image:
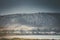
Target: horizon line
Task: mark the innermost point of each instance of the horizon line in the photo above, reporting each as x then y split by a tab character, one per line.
26	13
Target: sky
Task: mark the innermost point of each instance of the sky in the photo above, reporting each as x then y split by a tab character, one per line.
28	6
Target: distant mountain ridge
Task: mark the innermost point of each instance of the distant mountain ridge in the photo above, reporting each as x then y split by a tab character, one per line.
48	21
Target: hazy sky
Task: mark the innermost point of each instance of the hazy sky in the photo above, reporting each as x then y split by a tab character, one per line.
28	6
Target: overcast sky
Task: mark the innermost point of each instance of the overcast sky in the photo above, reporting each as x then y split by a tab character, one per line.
28	6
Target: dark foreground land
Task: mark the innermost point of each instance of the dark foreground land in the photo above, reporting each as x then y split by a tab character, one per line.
26	39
